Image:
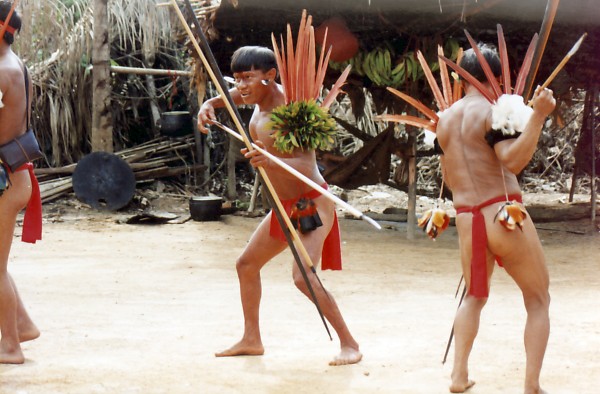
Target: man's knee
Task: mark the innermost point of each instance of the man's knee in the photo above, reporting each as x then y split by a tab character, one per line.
537	300
476	303
244	266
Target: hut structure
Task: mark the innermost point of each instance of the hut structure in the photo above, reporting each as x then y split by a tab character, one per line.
402	27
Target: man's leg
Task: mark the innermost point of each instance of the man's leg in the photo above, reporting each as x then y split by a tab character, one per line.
466	326
313	242
526	265
28	331
11	202
261	248
466	322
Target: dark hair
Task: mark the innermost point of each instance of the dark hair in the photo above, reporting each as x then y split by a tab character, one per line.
471	64
253	57
15	20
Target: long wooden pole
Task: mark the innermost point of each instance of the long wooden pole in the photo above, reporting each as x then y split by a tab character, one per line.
278	209
549	15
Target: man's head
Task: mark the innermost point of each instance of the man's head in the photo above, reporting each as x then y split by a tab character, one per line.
14	25
253	58
471	64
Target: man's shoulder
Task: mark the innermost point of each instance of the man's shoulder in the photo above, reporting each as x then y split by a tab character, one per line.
9	73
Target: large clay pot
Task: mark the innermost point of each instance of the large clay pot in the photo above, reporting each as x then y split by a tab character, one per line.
205	208
344	44
176	123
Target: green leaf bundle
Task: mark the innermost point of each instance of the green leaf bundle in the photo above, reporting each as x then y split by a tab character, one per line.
302	125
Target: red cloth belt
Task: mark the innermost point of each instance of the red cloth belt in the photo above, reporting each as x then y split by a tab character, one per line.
479	283
32	222
331	256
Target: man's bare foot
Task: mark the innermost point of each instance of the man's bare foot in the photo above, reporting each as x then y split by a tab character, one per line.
536	391
456	387
347	356
243	349
12	356
28	333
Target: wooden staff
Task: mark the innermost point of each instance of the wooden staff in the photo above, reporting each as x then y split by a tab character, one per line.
324	192
7	20
212	68
549	16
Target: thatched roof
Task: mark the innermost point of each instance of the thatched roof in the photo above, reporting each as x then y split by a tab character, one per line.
372	21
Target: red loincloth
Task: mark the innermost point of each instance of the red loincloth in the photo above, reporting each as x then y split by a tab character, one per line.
331	257
479	284
32	222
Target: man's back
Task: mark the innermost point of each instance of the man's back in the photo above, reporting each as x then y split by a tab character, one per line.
471	169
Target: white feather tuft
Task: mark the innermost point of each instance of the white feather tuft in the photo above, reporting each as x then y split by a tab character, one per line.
510	114
429	138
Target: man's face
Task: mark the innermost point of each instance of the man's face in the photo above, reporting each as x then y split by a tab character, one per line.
250	85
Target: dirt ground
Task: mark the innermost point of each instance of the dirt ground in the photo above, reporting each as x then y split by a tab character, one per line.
142	308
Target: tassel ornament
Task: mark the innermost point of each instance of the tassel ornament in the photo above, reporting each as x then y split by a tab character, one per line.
511	215
434	222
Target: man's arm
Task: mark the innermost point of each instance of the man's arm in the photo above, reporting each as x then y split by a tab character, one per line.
206	115
516	153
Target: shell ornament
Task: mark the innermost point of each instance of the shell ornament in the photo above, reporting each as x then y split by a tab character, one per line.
434	222
511	215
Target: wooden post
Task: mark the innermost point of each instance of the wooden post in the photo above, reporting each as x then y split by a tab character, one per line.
102	129
411	219
593	131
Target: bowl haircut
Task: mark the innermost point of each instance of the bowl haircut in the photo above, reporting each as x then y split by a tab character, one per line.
253	58
471	64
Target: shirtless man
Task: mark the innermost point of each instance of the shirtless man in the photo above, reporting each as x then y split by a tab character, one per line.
476	174
255	70
15	324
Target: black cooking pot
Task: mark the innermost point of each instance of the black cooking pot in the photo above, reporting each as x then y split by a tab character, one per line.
176	123
205	208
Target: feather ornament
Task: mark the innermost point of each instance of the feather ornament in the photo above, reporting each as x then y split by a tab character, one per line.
302	74
511	215
510	114
434	222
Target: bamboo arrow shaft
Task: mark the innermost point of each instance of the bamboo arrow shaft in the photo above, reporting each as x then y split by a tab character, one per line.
324	192
562	63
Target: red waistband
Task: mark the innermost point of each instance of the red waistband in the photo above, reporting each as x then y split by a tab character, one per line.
331	256
479	283
32	221
477	208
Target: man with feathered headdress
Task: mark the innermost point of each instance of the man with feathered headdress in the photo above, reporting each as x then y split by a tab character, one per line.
481	157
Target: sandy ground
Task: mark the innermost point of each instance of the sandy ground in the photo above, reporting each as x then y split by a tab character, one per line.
142	309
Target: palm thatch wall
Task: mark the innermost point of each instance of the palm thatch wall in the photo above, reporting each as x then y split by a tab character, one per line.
56	44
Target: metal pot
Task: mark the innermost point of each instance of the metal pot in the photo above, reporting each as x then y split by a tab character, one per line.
176	123
206	208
